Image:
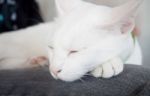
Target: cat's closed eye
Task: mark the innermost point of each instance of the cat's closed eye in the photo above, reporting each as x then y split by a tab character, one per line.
51	47
73	52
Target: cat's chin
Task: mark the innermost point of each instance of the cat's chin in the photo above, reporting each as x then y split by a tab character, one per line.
64	77
55	77
68	77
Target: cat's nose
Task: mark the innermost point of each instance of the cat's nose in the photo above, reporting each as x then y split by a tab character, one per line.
55	71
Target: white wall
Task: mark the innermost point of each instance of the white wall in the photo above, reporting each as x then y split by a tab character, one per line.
145	37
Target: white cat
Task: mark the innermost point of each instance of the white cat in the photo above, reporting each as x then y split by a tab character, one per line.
84	37
92	37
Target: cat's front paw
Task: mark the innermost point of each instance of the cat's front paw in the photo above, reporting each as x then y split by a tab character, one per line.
109	69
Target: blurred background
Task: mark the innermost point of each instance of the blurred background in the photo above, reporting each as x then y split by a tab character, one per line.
145	35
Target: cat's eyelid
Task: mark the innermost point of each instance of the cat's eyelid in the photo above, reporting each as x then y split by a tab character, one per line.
75	51
72	52
51	47
78	49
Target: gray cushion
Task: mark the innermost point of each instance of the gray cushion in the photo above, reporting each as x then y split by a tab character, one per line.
134	81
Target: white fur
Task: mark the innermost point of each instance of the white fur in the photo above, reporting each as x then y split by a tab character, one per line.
81	28
111	68
17	48
136	56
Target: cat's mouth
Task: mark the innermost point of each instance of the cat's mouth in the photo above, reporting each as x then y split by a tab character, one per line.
54	76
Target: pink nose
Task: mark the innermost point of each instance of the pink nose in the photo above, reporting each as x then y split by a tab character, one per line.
55	71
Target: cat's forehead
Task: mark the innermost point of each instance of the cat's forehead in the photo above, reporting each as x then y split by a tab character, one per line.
77	40
86	15
75	30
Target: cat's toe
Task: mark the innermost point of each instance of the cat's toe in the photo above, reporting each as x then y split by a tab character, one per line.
117	65
112	68
97	72
107	70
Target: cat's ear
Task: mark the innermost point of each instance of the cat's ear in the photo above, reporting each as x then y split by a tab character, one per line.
125	15
65	6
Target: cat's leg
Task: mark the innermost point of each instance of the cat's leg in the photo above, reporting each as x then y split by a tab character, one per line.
22	63
13	56
109	69
14	63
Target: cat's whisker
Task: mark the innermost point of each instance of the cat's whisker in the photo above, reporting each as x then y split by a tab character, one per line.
82	80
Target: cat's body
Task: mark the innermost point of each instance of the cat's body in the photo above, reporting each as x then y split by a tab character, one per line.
69	35
17	48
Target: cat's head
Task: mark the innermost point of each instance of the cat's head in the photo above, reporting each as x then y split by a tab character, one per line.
87	35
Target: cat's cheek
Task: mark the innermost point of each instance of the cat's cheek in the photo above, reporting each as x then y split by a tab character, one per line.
66	78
